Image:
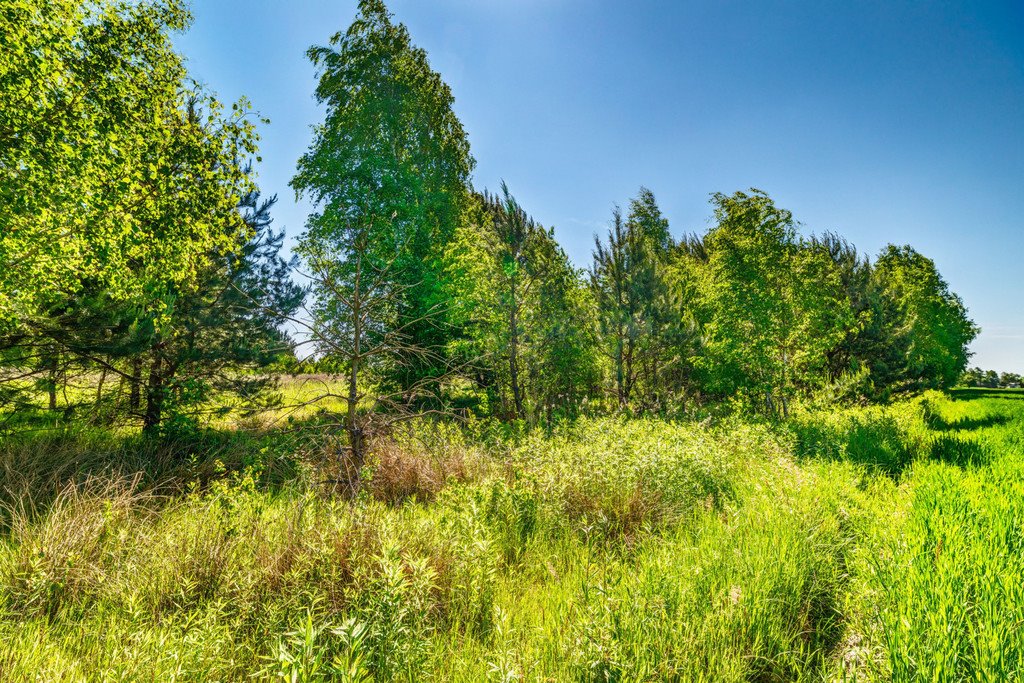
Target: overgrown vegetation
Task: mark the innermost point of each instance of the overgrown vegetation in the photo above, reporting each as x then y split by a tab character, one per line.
163	303
871	544
703	458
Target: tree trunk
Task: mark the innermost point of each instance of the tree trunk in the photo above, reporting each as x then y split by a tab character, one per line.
99	392
620	379
356	439
513	356
51	387
135	390
627	371
357	446
154	396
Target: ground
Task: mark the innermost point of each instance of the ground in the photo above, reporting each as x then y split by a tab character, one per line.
878	543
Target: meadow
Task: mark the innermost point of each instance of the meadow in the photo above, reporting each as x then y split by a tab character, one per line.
407	437
870	544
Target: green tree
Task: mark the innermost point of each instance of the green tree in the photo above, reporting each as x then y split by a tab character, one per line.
934	329
972	377
120	183
388	170
521	307
215	340
628	281
106	186
565	366
770	305
659	324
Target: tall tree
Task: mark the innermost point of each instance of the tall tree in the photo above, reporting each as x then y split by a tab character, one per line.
520	304
628	280
215	340
104	185
658	323
771	307
935	330
562	335
389	164
119	182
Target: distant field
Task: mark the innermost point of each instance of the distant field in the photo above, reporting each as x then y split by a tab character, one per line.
866	544
299	397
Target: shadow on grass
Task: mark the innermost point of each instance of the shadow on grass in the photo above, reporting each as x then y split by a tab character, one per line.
980	392
936	422
877	441
940	424
957	450
35	467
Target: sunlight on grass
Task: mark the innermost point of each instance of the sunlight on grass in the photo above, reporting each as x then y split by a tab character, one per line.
861	545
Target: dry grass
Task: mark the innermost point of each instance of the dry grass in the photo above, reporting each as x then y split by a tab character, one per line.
409	472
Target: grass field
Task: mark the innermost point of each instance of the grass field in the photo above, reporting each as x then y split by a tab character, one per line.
868	544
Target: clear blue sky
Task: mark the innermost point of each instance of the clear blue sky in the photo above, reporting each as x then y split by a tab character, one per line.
885	121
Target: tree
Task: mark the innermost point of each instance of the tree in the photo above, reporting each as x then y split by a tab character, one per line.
973	377
355	325
119	184
98	191
934	331
658	323
628	281
770	305
521	307
562	336
388	171
215	339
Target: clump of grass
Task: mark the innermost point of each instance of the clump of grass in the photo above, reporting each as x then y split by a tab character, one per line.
411	471
883	439
619	478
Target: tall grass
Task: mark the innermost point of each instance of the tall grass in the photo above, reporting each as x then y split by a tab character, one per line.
867	544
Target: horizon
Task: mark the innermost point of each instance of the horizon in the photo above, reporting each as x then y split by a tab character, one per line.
880	123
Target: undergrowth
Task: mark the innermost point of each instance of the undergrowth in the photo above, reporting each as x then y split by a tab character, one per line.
865	544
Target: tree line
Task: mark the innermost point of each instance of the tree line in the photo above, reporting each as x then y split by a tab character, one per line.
990	379
136	247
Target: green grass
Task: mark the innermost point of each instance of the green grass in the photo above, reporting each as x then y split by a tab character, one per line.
869	544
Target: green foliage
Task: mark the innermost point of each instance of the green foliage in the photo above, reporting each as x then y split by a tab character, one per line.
770	305
610	550
388	171
934	320
114	184
522	309
133	245
638	320
869	543
302	654
215	342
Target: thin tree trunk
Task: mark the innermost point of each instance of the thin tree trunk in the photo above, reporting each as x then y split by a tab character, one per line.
135	390
355	433
627	371
99	391
154	395
620	379
51	387
357	446
513	355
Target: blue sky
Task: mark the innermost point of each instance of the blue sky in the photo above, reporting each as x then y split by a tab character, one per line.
884	121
